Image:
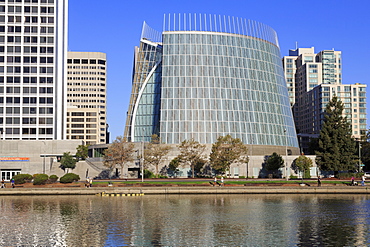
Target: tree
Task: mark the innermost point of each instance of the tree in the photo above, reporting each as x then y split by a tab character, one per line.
302	164
336	147
274	162
154	152
365	151
191	153
226	151
174	164
82	152
67	162
119	153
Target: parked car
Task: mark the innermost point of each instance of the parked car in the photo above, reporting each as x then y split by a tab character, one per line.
367	174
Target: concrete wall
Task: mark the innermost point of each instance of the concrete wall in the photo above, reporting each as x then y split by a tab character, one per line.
257	155
33	152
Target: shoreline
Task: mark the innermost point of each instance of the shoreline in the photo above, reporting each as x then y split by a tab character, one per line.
186	190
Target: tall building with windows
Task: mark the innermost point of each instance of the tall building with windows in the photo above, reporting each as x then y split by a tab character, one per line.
312	80
207	76
33	54
86	97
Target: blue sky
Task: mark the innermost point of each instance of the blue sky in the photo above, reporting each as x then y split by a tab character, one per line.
114	27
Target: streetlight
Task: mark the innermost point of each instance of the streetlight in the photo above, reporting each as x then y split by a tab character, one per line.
252	140
43	167
142	154
359	156
286	155
142	161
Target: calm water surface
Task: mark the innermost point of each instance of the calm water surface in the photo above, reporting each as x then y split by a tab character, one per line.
185	220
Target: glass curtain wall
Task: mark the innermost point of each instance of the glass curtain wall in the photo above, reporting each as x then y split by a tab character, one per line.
214	84
143	114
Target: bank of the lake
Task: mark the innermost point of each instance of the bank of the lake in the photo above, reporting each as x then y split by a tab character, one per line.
158	190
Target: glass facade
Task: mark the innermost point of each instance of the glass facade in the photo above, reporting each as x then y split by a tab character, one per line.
143	113
215	83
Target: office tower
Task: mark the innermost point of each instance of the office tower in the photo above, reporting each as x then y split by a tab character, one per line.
313	79
207	76
86	97
33	49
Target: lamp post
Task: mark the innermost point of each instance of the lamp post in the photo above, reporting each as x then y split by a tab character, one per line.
142	155
43	166
359	156
286	154
250	158
142	161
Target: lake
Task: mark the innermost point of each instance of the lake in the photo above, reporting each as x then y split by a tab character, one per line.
186	220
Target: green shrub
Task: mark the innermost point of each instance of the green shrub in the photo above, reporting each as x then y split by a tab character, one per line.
69	178
148	174
40	179
348	175
53	178
293	177
22	178
242	177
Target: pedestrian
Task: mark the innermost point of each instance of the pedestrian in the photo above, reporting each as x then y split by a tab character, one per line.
318	181
2	183
222	181
214	181
12	182
363	180
352	181
90	183
87	184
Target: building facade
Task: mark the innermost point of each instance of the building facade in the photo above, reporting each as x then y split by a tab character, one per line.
33	51
86	97
207	76
313	80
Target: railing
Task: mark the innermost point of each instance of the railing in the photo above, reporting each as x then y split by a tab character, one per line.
91	160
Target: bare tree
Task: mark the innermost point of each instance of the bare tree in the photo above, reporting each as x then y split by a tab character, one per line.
154	152
119	153
191	152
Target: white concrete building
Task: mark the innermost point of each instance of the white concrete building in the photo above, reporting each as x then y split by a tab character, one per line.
33	55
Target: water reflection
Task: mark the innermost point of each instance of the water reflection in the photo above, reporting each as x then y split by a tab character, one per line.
191	220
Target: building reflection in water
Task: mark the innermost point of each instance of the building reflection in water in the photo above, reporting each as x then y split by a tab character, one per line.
186	220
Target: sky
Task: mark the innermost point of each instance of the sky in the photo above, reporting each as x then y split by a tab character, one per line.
114	27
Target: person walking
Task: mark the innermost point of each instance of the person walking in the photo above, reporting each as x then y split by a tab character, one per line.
352	181
214	181
3	183
318	181
363	180
222	181
12	182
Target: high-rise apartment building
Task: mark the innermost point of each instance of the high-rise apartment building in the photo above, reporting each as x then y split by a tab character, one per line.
304	70
33	50
312	80
207	76
353	97
86	97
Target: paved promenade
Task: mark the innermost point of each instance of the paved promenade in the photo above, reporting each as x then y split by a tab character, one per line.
189	190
